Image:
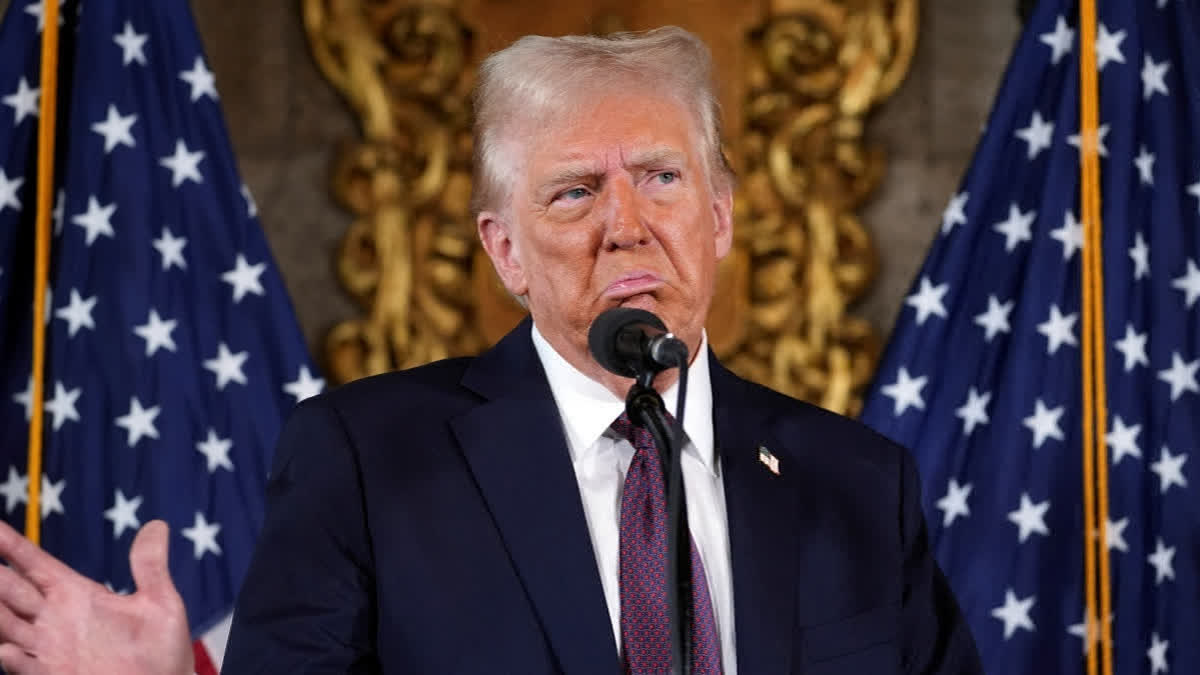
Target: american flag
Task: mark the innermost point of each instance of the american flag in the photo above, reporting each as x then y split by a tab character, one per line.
172	349
982	377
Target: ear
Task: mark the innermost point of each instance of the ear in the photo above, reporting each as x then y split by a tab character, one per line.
496	234
723	218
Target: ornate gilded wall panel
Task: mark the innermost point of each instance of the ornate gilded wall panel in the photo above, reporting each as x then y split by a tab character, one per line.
798	79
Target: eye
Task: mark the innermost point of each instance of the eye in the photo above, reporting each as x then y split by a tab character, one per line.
667	177
574	194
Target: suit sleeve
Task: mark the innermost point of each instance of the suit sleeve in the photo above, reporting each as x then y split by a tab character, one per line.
306	605
937	639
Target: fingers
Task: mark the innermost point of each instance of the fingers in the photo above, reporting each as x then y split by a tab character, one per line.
148	561
30	561
18	594
15	630
15	661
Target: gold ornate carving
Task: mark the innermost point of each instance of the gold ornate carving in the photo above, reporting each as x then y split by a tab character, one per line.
813	70
408	256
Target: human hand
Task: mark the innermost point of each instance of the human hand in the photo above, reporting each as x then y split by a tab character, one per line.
54	620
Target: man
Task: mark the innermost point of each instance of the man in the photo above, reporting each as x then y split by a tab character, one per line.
497	514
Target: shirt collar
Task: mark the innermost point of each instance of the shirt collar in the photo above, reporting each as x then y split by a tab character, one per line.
588	409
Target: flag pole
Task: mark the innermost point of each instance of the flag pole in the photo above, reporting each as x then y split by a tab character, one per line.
1098	577
45	190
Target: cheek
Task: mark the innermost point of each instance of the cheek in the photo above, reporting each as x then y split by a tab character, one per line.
563	261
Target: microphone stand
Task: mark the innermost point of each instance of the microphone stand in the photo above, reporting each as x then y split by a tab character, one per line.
645	408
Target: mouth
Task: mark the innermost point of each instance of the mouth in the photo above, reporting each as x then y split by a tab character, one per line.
631	284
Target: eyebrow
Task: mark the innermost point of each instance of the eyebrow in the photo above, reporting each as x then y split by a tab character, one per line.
578	171
656	156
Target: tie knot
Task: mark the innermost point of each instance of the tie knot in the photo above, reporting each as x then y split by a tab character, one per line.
624	426
636	433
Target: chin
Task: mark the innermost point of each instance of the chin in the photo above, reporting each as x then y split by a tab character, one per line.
645	301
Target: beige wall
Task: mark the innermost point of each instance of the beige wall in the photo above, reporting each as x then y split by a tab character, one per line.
284	120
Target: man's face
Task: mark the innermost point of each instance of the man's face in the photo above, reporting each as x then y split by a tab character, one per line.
612	205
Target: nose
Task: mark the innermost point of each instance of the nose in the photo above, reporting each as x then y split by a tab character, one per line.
624	227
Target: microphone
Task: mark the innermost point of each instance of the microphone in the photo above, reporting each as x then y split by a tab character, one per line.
633	342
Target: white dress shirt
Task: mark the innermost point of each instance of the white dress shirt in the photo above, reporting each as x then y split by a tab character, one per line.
601	458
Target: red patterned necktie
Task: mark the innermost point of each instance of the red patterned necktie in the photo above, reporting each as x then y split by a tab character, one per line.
645	621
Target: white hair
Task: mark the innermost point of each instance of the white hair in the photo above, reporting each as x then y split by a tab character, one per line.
538	76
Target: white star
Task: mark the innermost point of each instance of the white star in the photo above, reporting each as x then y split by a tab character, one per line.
906	392
115	129
1044	423
1058	329
15	490
1140	254
995	319
1145	165
1114	535
1194	190
138	422
1153	75
955	213
97	220
1037	134
51	496
1101	132
1133	348
244	278
184	165
1070	235
974	411
1161	559
1015	613
954	504
156	333
1030	517
1123	440
25	398
216	451
59	211
203	536
132	44
1088	631
1016	228
928	300
1108	47
305	385
8	192
1189	283
1181	376
78	313
62	406
123	514
1157	653
227	366
251	206
1060	40
171	248
1170	470
24	101
201	79
38	11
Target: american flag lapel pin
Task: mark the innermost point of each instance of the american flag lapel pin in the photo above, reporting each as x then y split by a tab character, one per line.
768	459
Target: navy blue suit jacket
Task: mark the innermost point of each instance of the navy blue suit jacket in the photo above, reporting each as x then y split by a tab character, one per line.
429	521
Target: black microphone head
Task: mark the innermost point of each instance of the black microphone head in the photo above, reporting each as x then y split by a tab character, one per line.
607	329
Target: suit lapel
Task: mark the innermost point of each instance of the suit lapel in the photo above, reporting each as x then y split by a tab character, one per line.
761	508
517	453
